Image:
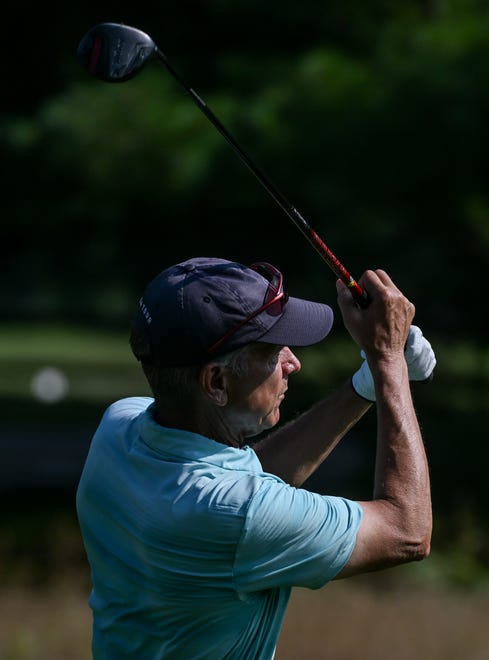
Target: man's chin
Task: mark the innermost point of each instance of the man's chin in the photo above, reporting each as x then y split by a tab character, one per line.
266	423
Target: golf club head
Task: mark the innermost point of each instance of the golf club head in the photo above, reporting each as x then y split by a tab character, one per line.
114	52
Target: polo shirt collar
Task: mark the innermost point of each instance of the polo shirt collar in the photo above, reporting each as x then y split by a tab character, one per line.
189	446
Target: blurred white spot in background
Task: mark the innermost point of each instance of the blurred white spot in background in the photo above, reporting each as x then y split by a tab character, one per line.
49	385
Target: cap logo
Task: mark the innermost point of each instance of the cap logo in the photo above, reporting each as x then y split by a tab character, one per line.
145	311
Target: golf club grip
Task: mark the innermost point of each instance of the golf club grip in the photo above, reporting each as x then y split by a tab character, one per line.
358	293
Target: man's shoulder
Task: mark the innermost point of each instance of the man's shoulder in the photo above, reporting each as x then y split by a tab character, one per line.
122	413
127	408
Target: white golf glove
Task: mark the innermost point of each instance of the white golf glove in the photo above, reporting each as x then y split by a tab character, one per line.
420	360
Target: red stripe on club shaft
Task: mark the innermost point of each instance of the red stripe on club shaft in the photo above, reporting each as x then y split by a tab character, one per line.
336	266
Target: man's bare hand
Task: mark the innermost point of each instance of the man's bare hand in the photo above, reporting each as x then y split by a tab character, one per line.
381	329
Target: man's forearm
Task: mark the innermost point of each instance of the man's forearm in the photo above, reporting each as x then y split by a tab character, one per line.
295	451
402	474
396	525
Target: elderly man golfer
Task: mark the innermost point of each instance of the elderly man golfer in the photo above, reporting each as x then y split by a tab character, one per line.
195	538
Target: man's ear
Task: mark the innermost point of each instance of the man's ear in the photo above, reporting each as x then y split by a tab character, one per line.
213	382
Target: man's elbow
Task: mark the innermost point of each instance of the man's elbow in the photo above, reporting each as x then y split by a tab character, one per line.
417	547
410	539
418	551
388	537
415	528
424	547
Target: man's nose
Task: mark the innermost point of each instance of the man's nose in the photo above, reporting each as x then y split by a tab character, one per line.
290	362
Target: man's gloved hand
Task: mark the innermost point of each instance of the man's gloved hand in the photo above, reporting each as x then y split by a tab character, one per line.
420	360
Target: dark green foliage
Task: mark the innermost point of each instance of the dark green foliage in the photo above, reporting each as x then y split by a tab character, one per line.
380	142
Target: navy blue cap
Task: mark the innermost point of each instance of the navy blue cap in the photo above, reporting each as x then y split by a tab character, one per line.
188	307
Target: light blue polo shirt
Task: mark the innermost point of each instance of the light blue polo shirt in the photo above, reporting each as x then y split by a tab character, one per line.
193	548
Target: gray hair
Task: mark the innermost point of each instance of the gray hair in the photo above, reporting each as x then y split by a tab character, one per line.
177	384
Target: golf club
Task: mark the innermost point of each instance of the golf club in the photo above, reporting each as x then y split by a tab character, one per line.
115	52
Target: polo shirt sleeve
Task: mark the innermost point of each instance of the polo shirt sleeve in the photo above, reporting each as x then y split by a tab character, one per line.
292	537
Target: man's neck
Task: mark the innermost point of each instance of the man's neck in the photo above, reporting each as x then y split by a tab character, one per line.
209	423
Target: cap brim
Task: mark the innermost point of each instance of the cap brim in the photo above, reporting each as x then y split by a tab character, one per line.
302	323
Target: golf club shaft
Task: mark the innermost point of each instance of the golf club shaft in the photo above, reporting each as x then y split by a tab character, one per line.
358	293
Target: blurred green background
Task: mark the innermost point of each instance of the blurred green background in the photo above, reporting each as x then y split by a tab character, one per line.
371	118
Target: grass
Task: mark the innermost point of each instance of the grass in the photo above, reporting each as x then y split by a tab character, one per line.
353	619
358	620
98	364
44	341
53	622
